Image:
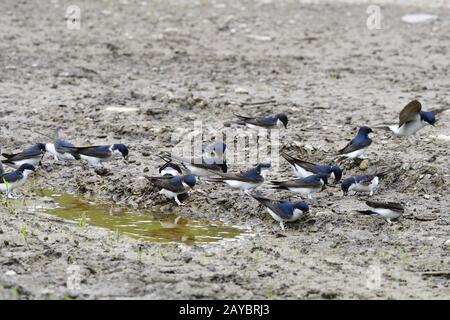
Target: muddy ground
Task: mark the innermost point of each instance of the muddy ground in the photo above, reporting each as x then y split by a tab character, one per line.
180	61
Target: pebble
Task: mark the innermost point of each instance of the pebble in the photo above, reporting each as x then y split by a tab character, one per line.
364	165
241	90
10	273
121	109
259	38
426	196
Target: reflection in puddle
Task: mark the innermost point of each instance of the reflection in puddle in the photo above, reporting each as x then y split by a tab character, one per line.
146	225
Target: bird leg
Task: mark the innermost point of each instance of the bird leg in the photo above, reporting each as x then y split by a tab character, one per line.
178	201
282	225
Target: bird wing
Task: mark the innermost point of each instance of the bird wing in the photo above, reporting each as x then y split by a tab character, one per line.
367	179
93	151
386	205
243	118
12	177
273	206
298	183
166	183
308	166
261	122
25	154
409	112
237	177
350	147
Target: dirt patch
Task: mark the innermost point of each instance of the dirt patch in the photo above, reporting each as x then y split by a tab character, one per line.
137	70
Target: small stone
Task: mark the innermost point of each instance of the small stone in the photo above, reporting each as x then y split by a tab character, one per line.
364	164
241	90
426	196
259	38
10	273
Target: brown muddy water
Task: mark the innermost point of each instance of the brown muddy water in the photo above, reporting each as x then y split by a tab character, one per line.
138	224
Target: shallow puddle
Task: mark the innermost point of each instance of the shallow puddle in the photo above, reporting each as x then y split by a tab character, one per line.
139	224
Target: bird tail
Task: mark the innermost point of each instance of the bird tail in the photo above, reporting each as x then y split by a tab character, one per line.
383	173
339	157
382	127
288	157
170	157
166	157
276	185
213	179
366	212
241	120
8	155
261	200
56	133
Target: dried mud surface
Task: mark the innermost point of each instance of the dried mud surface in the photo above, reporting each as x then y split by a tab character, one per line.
177	62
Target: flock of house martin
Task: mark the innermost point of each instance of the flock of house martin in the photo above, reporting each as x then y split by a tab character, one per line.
177	176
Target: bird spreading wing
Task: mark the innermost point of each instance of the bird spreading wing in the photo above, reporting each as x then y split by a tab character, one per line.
409	112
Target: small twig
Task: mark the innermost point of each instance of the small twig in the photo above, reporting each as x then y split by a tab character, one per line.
436	274
425	218
257	103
